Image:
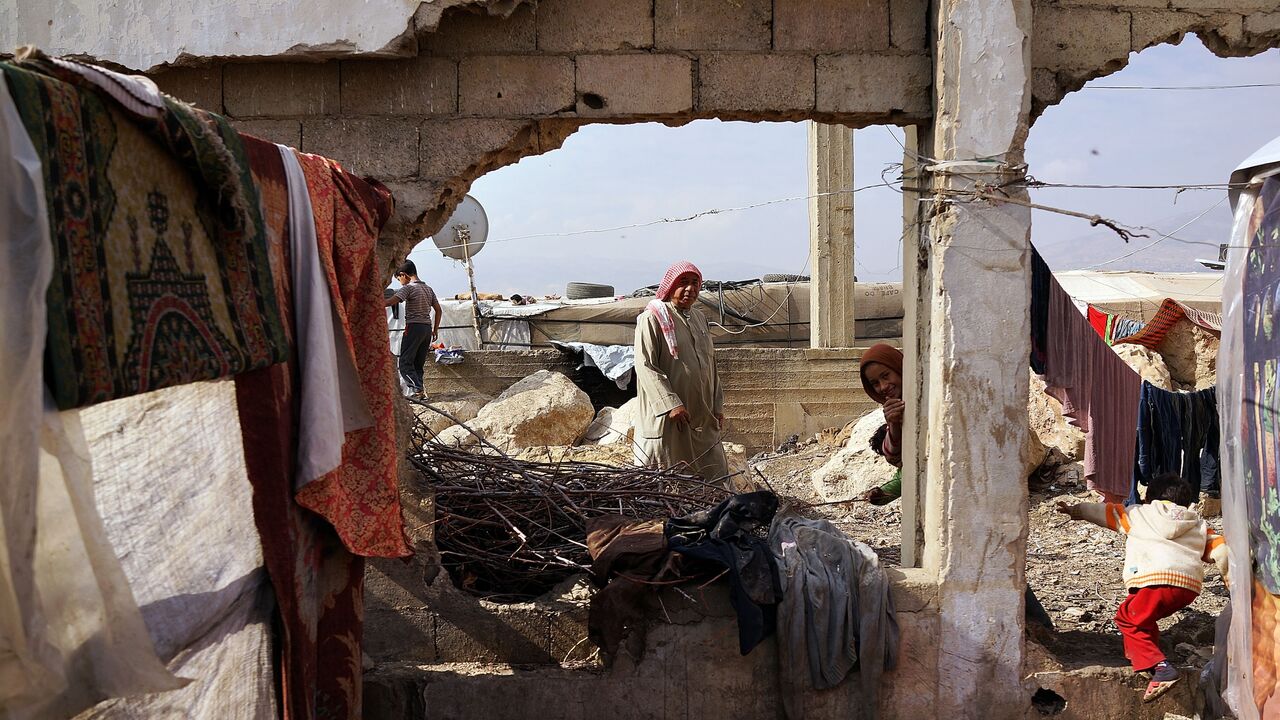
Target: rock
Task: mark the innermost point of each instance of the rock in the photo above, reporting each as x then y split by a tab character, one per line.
1049	425
1146	363
616	426
856	468
599	426
1075	614
463	406
1206	358
616	455
1178	350
744	480
545	408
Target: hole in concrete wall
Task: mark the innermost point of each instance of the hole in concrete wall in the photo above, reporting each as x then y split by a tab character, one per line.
593	101
1048	702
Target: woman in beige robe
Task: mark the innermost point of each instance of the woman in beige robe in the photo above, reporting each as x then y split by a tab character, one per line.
681	401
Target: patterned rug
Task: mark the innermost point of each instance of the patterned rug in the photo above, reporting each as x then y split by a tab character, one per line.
160	266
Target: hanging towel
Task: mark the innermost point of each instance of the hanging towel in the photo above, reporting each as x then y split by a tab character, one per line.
1099	392
332	401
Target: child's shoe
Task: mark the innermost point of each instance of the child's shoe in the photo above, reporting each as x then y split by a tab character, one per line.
1163	677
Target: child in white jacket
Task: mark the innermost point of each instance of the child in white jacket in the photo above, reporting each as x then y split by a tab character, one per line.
1165	551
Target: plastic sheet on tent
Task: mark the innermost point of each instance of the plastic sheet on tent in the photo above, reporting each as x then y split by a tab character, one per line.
1249	408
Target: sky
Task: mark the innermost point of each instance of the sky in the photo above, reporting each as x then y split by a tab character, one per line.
609	176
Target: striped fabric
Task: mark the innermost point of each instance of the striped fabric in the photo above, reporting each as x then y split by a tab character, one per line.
1170	312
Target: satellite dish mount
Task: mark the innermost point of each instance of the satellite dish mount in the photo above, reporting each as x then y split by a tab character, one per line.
462	238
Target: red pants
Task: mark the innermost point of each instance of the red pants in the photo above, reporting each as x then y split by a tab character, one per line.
1137	619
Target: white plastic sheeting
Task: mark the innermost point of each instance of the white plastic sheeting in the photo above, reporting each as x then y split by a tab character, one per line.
70	630
1233	397
172	486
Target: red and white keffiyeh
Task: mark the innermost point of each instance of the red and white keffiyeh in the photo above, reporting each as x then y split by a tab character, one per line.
659	307
673	274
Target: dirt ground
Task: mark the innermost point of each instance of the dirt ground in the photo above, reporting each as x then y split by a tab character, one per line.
1073	567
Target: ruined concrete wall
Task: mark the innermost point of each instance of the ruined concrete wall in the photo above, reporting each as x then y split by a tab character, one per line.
1077	40
770	393
691	667
484	91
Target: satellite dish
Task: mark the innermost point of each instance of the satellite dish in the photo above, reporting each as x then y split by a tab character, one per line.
463	235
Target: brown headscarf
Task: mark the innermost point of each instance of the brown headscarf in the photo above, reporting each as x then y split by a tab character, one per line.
887	355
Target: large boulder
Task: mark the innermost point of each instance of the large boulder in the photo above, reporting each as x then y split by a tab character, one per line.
1207	345
1178	350
613	425
462	406
545	408
1049	425
856	468
1147	363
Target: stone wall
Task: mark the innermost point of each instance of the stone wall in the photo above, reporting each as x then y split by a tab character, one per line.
1077	40
770	393
508	664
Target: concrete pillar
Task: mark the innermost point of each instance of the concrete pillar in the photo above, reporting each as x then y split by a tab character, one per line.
830	236
979	260
916	300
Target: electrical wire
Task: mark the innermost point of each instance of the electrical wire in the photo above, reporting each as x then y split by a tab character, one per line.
1162	238
1183	87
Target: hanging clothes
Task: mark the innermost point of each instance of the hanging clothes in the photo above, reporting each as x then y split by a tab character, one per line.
1176	430
836	614
729	536
630	561
1170	312
158	253
360	498
319	581
1099	392
1101	323
1125	327
1041	282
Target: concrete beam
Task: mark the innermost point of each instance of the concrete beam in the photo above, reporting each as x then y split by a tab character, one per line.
830	236
979	335
915	350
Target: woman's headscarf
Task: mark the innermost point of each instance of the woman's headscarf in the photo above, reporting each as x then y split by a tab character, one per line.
673	274
887	355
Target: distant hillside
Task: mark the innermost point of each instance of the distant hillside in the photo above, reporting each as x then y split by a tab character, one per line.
1101	244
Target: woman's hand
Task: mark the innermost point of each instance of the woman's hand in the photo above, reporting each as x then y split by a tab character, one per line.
876	496
680	416
719	421
894	409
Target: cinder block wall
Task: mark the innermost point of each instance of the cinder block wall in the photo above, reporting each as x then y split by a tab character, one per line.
769	393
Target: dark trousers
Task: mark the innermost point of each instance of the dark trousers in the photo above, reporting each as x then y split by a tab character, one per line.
414	346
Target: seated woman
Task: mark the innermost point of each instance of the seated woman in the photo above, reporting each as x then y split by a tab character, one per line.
881	371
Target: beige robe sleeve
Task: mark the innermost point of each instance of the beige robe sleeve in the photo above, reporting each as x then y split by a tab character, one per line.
653	386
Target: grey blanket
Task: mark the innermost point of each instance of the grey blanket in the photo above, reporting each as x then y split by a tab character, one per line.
836	613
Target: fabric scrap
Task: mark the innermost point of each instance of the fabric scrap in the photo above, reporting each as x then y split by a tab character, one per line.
332	401
189	548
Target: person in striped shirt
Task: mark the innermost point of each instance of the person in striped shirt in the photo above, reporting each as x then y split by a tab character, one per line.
422	325
1166	546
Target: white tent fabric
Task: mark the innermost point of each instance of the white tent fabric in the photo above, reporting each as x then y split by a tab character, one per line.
172	486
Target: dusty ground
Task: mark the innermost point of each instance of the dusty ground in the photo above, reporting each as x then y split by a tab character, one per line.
1073	567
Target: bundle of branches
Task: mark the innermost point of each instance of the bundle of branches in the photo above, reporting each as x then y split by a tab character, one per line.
513	528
